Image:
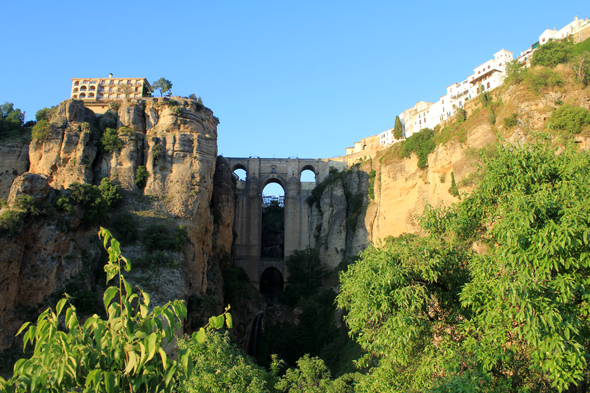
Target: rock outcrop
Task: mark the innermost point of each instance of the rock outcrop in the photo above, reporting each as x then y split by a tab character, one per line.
14	161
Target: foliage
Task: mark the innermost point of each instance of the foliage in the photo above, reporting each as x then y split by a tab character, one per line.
220	366
45	113
581	66
96	201
511	120
306	273
141	176
41	130
179	238
11	120
110	193
125	227
461	115
371	189
397	129
552	53
569	118
114	106
542	78
312	376
110	141
433	314
316	194
157	153
27	204
422	144
10	221
163	85
515	72
123	353
454	190
156	237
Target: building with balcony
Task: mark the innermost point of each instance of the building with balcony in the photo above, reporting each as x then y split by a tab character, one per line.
97	92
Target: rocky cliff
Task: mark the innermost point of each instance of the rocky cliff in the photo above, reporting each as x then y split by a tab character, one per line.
175	140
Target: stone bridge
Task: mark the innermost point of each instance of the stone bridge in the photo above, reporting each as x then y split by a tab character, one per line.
248	213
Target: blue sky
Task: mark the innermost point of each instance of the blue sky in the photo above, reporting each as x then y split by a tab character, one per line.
286	78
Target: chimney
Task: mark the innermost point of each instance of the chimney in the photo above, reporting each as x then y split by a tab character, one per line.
111	75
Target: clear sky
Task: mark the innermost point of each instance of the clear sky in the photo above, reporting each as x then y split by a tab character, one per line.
286	78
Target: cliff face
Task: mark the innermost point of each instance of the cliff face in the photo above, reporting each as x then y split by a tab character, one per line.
176	140
14	161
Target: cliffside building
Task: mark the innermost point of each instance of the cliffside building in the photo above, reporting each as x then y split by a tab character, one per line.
97	92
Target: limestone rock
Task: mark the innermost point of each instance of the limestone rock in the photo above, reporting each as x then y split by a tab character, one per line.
34	184
14	161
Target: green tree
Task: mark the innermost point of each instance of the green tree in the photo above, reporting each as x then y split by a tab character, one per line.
110	141
124	353
397	129
11	120
312	376
162	84
552	53
45	113
515	72
581	66
434	314
141	176
422	144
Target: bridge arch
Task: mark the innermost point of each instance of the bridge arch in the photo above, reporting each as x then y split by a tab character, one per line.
248	213
271	284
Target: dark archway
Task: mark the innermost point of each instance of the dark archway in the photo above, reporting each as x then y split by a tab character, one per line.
271	285
272	238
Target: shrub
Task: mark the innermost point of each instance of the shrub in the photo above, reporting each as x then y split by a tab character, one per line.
90	199
110	193
125	227
114	106
511	120
371	189
45	113
552	53
27	204
569	118
3	203
491	116
422	144
110	141
155	237
141	176
157	152
41	130
454	190
542	78
10	221
179	239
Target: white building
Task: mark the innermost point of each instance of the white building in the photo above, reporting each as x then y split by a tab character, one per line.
570	29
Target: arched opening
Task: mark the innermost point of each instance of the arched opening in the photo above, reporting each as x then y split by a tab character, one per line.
307	174
239	173
76	83
83	88
91	95
75	96
76	90
92	88
272	237
82	95
271	285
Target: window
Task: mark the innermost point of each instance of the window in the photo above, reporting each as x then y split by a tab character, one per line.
76	83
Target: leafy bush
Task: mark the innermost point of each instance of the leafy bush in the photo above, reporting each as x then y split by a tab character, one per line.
422	144
542	78
110	193
125	227
220	366
155	237
306	273
41	130
110	141
3	203
569	118
511	120
179	239
11	120
515	72
454	190
371	189
123	353
45	113
27	204
141	176
461	115
157	152
10	221
552	53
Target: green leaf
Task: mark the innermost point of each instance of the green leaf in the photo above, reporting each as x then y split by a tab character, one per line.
228	320
23	327
217	322
109	382
164	358
200	336
151	345
60	306
131	362
108	296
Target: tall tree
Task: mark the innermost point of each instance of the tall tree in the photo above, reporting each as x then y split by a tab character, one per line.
434	314
11	119
162	84
397	129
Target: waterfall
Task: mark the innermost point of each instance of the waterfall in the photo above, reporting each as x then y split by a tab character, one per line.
255	336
